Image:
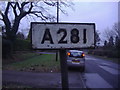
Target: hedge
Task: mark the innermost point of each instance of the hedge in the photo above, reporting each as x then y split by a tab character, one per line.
21	45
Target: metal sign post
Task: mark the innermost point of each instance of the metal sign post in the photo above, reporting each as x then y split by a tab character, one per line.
64	70
57	22
63	60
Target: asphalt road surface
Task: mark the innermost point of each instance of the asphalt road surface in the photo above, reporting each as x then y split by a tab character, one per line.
99	73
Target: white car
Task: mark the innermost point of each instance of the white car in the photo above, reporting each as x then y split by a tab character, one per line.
76	58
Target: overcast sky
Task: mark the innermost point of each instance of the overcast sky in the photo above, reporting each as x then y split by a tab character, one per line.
103	14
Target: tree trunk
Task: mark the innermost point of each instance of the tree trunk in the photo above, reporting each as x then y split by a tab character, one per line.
6	48
8	42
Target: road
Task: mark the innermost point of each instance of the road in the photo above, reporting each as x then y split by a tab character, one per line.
99	73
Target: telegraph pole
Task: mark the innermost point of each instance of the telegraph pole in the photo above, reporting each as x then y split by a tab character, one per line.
57	11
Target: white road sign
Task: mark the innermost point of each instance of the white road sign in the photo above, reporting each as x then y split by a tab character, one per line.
62	35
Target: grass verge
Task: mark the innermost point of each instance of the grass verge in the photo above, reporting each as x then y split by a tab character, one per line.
39	63
18	57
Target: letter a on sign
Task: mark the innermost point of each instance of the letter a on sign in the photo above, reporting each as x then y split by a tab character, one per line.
47	37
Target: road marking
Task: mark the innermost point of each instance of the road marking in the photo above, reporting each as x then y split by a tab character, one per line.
90	58
105	64
110	70
94	80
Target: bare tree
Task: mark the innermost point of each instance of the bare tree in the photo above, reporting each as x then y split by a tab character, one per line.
97	37
113	35
116	29
110	43
109	33
18	10
11	13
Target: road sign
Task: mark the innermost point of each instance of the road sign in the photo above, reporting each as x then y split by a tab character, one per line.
62	35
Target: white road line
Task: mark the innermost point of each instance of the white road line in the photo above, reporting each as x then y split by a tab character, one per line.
94	80
105	64
110	70
90	58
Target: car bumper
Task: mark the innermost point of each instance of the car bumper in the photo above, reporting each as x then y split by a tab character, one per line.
73	64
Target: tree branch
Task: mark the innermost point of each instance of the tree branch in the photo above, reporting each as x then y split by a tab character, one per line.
22	12
7	8
22	9
38	12
6	19
17	4
50	4
23	4
7	23
39	16
14	8
31	6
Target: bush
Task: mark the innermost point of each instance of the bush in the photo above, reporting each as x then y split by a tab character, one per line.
6	48
109	53
21	45
113	54
90	51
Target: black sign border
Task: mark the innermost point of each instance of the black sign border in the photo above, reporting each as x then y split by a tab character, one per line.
61	48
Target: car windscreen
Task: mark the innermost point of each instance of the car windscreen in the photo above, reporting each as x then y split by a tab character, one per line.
75	54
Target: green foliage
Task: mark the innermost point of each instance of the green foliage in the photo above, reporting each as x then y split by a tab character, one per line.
21	45
108	53
105	43
23	55
20	36
111	43
41	59
6	48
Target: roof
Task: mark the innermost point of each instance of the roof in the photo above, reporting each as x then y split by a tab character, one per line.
75	51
